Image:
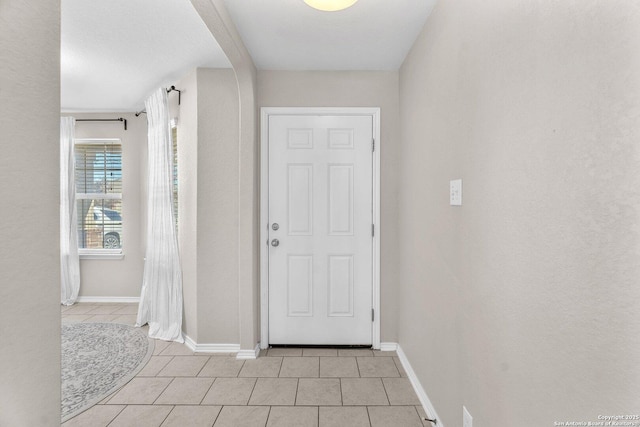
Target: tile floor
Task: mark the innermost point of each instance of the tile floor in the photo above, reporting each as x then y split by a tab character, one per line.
284	387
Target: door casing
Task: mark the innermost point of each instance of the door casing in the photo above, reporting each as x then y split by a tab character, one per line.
266	112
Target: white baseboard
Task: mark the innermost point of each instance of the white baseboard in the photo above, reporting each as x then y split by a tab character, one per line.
249	354
221	348
388	346
210	348
415	382
109	299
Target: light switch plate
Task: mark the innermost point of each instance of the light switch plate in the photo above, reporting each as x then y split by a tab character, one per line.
455	192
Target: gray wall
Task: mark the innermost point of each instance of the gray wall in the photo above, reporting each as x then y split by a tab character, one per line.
523	303
30	226
355	89
123	277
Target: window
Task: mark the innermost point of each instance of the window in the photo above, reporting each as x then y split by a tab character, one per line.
99	195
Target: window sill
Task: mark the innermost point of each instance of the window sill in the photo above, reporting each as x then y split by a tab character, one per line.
101	254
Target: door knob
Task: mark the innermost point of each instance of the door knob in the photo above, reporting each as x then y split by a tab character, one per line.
275	242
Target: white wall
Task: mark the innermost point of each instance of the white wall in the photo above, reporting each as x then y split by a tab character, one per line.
30	226
355	89
121	277
523	303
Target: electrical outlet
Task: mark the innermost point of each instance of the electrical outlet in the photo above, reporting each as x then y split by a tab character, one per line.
467	419
455	192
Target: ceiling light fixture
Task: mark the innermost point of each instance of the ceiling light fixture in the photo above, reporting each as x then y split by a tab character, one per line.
330	5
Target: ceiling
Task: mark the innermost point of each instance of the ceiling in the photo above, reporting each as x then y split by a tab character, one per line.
115	53
289	35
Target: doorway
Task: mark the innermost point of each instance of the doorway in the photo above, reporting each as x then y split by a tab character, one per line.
320	226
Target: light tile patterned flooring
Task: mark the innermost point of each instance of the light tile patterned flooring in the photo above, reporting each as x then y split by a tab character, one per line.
284	387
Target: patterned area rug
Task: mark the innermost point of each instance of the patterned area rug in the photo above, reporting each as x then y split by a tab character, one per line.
97	359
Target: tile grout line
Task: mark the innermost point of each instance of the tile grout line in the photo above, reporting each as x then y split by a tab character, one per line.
268	415
280	368
398	368
368	415
117	415
167	416
217	416
203	365
157	375
255	383
385	392
112	419
208	390
163	390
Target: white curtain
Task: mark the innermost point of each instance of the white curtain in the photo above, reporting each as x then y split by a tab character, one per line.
69	262
161	297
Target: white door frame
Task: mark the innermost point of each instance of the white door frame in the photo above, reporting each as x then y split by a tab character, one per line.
266	112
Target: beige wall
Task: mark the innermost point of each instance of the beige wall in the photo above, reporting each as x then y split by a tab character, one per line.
30	226
354	89
523	303
208	205
188	200
218	168
217	19
122	277
208	132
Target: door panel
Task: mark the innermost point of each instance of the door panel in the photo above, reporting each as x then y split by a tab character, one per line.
320	195
340	285
300	199
300	285
341	200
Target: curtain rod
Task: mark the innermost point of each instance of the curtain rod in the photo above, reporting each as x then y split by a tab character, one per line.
119	119
171	89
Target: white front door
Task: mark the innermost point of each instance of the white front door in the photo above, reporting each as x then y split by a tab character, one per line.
320	212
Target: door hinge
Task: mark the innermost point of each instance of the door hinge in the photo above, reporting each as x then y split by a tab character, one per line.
373	145
373	230
373	312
